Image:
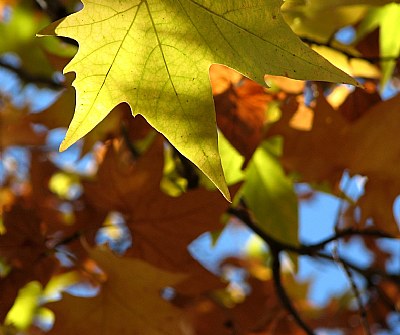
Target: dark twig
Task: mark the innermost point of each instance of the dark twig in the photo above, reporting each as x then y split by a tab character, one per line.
313	250
365	272
286	302
346	269
276	248
356	291
383	296
27	77
68	239
302	249
347	233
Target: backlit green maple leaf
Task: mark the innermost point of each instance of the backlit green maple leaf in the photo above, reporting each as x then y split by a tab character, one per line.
155	55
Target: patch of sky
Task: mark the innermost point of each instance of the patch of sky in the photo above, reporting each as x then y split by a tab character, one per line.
353	186
390	90
70	159
394	323
65	256
20	94
231	242
392	246
317	222
83	290
323	331
168	293
14	161
115	233
346	35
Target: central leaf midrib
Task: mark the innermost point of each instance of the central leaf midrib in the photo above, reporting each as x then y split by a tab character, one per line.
170	78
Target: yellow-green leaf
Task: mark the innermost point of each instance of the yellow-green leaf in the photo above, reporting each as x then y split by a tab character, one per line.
23	311
387	18
270	195
155	55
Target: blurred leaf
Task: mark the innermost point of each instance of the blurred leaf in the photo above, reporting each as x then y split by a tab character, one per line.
24	309
232	161
356	67
16	127
17	34
134	190
319	20
386	18
129	301
241	111
269	193
369	156
312	153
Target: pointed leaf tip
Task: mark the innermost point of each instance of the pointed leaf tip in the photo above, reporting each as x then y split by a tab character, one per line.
173	90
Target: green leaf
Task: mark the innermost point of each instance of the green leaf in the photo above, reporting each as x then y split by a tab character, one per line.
155	55
16	37
270	195
320	20
387	18
232	161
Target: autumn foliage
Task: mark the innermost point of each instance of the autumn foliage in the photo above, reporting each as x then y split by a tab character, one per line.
117	235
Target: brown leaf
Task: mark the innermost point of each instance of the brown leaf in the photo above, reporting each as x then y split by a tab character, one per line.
129	301
58	225
240	105
261	313
23	247
314	153
16	127
358	102
162	226
373	150
367	146
23	243
137	127
241	115
223	77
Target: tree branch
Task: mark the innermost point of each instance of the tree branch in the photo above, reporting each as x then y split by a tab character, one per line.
346	233
302	249
313	250
356	291
286	302
28	78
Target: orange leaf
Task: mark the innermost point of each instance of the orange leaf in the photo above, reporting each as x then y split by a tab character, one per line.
162	226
